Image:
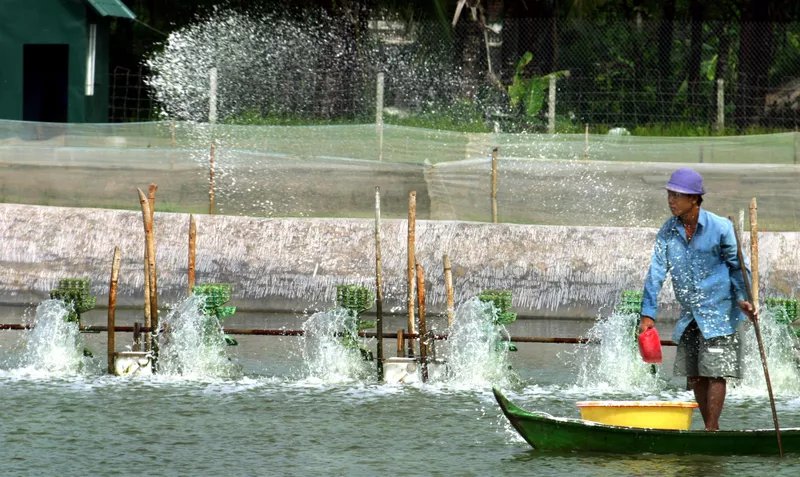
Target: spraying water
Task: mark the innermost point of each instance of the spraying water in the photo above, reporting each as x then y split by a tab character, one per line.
477	357
779	346
326	356
54	345
193	344
610	360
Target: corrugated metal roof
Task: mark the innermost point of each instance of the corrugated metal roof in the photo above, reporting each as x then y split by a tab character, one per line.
112	8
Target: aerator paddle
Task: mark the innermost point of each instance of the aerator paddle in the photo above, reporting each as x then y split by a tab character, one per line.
758	335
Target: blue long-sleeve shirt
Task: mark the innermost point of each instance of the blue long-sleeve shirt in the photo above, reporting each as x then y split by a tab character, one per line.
706	275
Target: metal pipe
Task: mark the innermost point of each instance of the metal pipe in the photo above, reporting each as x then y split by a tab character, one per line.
363	334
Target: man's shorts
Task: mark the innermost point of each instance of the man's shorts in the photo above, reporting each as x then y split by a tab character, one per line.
718	357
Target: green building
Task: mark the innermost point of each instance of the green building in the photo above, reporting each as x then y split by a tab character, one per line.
55	59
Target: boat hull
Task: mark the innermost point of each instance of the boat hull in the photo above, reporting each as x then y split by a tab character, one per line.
547	433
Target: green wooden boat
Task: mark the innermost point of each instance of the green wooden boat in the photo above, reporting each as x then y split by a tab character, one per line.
547	433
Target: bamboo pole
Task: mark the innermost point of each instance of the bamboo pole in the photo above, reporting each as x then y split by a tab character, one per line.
751	297
211	182
192	251
412	232
423	326
448	287
494	186
112	308
400	343
378	282
151	263
754	251
148	314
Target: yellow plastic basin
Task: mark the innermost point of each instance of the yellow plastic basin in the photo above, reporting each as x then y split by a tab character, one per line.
643	414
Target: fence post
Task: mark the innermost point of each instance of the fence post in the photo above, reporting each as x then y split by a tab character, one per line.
212	95
551	106
586	143
720	105
379	113
494	186
795	145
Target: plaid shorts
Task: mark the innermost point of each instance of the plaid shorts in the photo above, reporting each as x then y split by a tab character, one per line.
718	357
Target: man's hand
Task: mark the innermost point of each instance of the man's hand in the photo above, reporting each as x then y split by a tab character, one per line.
646	323
748	311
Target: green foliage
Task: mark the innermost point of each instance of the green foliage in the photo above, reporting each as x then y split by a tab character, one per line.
461	116
529	91
74	291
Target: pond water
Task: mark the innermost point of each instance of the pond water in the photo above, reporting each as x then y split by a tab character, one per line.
273	419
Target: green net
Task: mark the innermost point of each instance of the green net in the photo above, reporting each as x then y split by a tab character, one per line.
331	171
631	302
501	299
215	295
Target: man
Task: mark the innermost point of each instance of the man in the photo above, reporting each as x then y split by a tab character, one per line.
698	249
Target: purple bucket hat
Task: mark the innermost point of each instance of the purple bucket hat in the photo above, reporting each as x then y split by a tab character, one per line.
686	181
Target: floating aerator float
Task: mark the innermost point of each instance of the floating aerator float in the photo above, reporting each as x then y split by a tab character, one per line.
501	299
74	292
215	295
356	300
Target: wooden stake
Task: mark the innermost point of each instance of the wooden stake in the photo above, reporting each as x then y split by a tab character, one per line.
192	251
494	186
112	308
378	282
412	232
448	287
423	327
795	145
151	263
754	250
400	343
211	183
172	132
586	143
151	200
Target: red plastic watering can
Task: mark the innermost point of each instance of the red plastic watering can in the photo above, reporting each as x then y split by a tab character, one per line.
650	346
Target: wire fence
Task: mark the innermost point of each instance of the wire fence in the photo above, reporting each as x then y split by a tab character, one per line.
703	76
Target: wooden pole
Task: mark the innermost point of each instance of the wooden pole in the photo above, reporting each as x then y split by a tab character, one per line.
412	231
151	263
192	251
448	287
751	297
172	132
400	343
378	282
423	327
754	250
795	145
586	143
112	308
148	314
211	183
494	186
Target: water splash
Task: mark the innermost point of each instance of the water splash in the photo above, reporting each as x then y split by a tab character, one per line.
609	362
193	344
477	357
325	356
780	347
54	346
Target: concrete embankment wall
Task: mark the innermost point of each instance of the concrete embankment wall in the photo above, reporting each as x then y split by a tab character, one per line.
293	265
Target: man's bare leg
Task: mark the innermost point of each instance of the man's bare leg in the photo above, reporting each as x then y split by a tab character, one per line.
700	386
715	400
